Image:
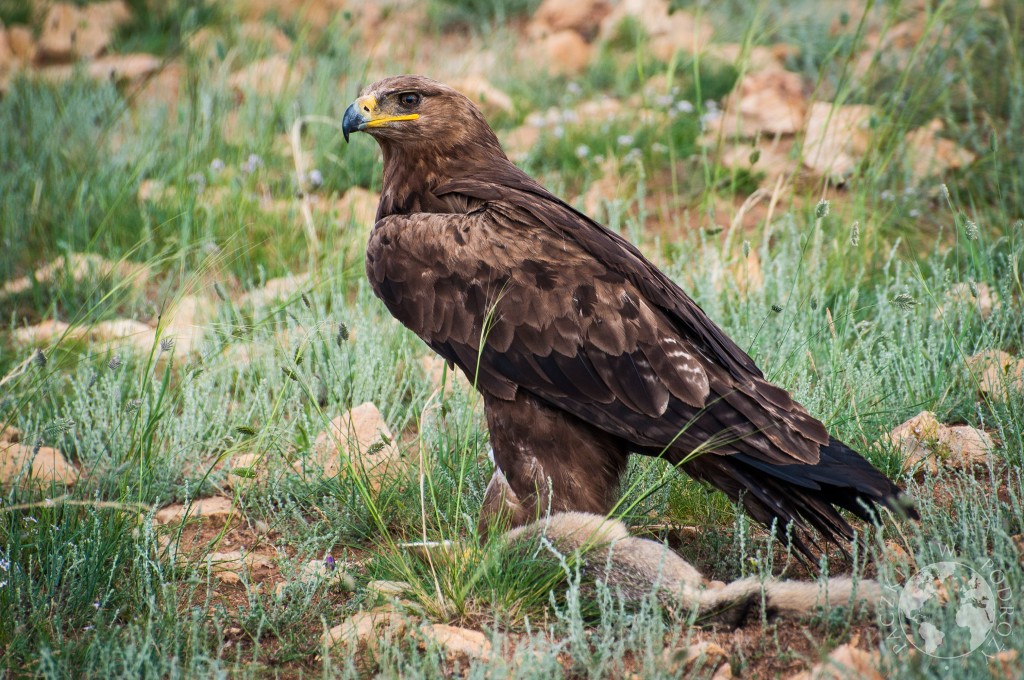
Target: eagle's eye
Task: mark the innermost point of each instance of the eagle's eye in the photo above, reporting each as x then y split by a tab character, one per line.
409	100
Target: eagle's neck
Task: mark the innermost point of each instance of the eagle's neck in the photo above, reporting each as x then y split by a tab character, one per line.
413	175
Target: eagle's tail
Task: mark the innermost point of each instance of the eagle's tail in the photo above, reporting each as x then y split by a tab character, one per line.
804	497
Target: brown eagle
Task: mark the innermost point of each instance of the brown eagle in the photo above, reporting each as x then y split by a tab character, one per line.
583	350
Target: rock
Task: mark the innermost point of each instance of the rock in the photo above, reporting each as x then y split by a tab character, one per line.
699	656
460	645
79	267
434	366
246	468
69	32
930	155
997	373
769	102
362	634
481	92
564	53
925	443
18	463
1005	665
961	295
7	59
316	572
135	335
45	333
519	141
163	89
21	43
582	16
357	440
387	589
837	138
266	34
215	507
359	207
846	662
269	77
185	320
669	32
237	566
772	156
124	68
275	289
758	58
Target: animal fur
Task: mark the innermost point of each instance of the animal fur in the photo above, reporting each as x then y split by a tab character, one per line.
633	566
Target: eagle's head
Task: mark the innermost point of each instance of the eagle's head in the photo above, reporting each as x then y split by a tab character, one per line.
415	115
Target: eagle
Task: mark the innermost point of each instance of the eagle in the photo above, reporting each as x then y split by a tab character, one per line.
584	352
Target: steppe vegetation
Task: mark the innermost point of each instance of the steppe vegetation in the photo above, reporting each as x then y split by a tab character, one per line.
216	443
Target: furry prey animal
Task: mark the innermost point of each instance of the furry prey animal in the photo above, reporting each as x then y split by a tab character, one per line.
631	565
583	350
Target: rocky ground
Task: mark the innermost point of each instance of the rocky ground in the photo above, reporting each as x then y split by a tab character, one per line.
288	491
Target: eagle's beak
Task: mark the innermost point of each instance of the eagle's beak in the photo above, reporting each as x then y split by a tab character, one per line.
353	120
363	113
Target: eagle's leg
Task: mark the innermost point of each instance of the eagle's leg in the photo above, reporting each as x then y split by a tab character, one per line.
546	460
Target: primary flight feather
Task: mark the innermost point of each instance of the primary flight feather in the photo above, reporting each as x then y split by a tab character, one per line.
583	350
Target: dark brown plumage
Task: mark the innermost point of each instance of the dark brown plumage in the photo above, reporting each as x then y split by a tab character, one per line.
582	349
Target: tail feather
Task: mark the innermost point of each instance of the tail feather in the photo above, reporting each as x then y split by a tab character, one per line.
804	497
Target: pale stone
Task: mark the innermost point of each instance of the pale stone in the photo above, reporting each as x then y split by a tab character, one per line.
79	267
758	57
925	442
565	53
669	32
769	102
701	655
962	295
269	77
47	465
236	565
581	16
21	43
435	369
486	96
215	507
362	633
268	34
70	32
460	645
185	321
846	662
124	68
45	333
997	373
275	289
837	138
358	439
136	335
387	589
358	207
931	155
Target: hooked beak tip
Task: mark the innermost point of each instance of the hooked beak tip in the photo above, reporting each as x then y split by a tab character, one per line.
353	121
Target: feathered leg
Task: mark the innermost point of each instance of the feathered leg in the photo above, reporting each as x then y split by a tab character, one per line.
546	461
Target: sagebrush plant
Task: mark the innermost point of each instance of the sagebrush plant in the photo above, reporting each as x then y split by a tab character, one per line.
862	314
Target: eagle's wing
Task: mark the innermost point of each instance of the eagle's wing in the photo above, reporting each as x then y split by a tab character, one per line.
520	304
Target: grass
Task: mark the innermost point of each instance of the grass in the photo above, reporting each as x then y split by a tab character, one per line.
206	193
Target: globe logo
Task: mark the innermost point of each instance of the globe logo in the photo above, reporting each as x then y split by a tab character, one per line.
934	593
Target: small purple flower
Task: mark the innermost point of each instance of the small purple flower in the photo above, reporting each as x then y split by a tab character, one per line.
329	563
683	106
216	165
252	163
316	178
